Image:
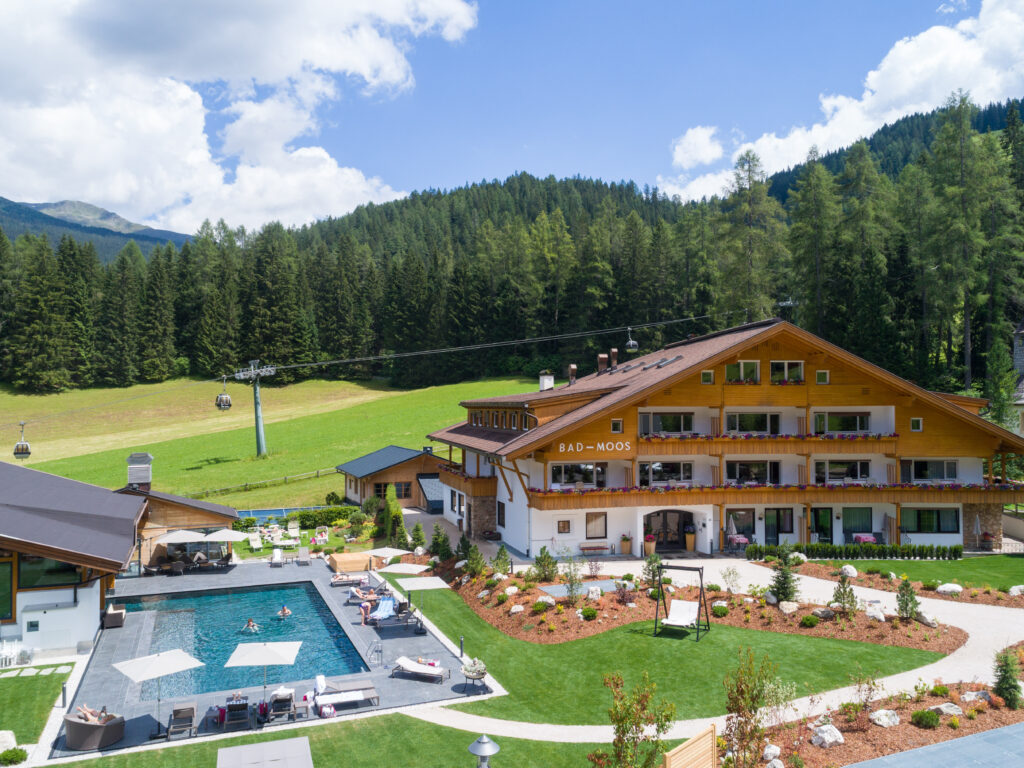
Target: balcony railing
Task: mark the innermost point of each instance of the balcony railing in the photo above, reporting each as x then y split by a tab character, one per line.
739	443
455	478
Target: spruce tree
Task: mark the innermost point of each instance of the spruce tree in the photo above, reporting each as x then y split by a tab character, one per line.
907	605
1007	674
156	335
784	584
78	268
118	334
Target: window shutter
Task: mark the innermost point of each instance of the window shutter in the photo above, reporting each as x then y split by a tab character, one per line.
890	474
716	428
801	425
801	474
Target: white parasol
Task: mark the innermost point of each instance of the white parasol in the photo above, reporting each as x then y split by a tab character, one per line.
730	528
226	534
181	537
264	655
977	531
156	666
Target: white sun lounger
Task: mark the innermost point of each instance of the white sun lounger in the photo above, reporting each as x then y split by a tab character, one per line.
682	613
277	559
407	665
255	543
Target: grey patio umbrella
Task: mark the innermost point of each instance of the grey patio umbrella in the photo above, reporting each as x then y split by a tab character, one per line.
977	531
226	535
730	528
181	537
156	666
264	655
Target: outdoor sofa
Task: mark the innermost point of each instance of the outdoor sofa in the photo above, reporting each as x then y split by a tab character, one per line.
80	736
114	616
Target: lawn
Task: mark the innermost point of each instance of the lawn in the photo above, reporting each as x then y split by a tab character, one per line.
212	459
27	703
376	742
563	683
995	570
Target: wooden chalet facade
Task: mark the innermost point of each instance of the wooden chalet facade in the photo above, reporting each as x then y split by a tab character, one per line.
765	425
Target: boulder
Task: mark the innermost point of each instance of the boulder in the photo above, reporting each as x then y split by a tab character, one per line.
499	576
748	599
460	564
893	576
776	763
719	604
515	609
433	561
836	606
419	551
482	595
771	752
1017	591
927	619
788	607
826	736
546	599
7	741
631	605
594	593
669	588
848	571
970	696
824	613
513	590
874	613
465	578
770	598
886	718
949	589
947	708
797	558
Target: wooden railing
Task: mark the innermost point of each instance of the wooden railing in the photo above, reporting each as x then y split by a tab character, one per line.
771	445
471	486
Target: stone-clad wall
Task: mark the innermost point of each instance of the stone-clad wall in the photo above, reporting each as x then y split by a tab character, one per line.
485	514
991	521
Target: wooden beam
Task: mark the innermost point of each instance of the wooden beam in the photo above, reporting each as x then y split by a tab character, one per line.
501	471
520	474
65	556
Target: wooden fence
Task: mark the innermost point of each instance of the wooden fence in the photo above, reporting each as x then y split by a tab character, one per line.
699	752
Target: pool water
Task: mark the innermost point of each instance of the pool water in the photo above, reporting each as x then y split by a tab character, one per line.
209	625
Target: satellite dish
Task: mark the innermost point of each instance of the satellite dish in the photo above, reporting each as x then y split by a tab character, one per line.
22	450
223	401
631	346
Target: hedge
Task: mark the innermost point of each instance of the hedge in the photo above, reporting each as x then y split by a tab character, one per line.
308	518
823	551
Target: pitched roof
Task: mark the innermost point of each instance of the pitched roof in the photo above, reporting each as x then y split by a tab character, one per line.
475	438
377	461
206	506
83	523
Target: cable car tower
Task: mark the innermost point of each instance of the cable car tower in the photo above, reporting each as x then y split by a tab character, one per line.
254	373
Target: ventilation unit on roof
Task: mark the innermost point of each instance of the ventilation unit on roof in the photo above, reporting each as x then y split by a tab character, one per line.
657	364
663	363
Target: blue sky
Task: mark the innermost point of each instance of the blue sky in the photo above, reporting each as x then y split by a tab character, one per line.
256	110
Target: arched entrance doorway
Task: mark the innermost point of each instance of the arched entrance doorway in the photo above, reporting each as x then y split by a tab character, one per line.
670	528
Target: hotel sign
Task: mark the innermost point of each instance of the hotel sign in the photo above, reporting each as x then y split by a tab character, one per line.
603	446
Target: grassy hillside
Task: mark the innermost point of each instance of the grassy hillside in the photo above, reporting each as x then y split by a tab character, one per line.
204	455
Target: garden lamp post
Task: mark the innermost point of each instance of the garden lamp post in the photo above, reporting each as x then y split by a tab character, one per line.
253	373
483	748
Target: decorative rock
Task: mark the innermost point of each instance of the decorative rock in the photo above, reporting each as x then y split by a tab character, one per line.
465	578
927	619
788	607
460	564
824	613
771	752
976	696
546	599
511	590
836	606
886	718
893	576
594	593
7	741
848	571
947	708
499	576
776	763
748	599
515	609
669	588
1017	590
875	613
719	604
484	594
433	561
631	605
770	598
949	589
797	557
419	551
826	736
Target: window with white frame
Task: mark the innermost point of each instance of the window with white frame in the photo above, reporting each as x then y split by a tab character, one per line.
837	421
822	377
786	371
916	424
616	426
768	423
513	420
665	422
927	470
758	472
570	474
707	377
743	370
832	471
663	472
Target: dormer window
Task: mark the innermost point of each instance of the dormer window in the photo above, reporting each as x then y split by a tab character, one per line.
787	371
743	371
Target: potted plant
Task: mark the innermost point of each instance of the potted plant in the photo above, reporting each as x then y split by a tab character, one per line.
649	541
690	533
626	544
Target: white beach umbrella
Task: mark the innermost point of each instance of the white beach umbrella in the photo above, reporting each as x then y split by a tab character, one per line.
156	666
226	534
730	529
388	552
264	655
181	537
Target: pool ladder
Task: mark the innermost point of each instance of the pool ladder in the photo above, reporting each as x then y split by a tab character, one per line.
376	651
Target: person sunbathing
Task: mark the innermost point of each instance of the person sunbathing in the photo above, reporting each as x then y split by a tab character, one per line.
251	626
284	613
368	596
340	577
93	716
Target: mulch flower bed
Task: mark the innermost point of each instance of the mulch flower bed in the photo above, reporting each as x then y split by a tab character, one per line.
560	623
864	740
981	595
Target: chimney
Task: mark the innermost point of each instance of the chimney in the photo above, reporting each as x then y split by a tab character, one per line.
547	380
602	362
140	471
428	449
614	358
572	373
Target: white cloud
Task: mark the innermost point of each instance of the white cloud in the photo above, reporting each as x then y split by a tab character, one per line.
983	55
952	6
698	146
103	100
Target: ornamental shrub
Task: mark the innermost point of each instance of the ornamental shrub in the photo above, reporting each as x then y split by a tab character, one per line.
356	520
502	561
490	584
907	605
475	563
13	756
419	538
940	690
545	566
440	544
589	613
712	588
810	621
720	611
925	718
540	606
501	598
1007	686
843	595
784	585
931	585
462	548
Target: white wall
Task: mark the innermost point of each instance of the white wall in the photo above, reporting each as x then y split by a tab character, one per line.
62	627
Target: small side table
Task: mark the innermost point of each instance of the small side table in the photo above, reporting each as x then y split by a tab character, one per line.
302	706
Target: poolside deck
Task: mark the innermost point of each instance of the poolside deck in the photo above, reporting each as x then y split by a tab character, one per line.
103	686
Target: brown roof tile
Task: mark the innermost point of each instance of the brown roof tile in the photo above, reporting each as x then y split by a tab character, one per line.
476	438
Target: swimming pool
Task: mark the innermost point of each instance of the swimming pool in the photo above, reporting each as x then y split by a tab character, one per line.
209	625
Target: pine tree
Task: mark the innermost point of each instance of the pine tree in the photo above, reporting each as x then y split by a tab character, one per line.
1007	674
1013	145
117	337
419	537
1000	381
907	605
440	544
156	338
784	584
78	268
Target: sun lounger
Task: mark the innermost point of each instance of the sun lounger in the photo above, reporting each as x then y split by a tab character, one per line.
303	557
385	610
410	667
335	692
282	704
345	580
277	559
81	736
682	613
255	543
237	715
183	720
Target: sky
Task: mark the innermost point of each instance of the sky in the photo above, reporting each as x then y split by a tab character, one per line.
250	111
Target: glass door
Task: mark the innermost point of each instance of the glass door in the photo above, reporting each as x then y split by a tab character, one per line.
821	524
771	527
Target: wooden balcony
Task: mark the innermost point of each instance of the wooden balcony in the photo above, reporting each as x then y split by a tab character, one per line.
470	486
772	445
777	495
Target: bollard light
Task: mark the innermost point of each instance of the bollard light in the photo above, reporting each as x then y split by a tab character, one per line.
483	748
462	639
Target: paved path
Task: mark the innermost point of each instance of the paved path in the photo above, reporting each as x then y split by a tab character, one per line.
989	628
998	748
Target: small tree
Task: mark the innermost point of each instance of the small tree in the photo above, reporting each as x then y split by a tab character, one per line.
746	692
639	722
462	550
371	507
784	585
501	562
651	565
475	563
440	544
907	605
843	597
1007	685
333	499
571	569
419	538
395	521
545	567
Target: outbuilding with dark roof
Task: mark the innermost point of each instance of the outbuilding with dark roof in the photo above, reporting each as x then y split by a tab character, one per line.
413	473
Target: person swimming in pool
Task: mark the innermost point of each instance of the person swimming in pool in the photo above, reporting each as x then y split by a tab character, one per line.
284	613
251	626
